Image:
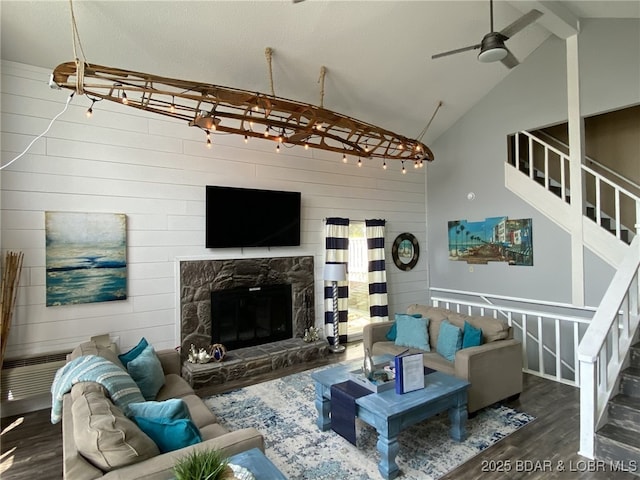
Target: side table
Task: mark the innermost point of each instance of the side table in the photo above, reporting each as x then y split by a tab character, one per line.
257	463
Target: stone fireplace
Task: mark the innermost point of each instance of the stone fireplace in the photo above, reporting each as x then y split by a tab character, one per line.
199	278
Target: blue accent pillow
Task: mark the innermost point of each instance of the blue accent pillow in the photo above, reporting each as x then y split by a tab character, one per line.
471	336
412	332
393	331
134	352
146	371
171	409
169	434
449	340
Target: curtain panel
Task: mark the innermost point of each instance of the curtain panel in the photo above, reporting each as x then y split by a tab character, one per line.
336	251
378	301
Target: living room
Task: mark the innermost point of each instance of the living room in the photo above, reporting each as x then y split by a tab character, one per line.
154	170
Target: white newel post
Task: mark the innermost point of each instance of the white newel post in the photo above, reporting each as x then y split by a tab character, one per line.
588	394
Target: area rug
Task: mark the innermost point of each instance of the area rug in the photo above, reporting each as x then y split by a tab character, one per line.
284	411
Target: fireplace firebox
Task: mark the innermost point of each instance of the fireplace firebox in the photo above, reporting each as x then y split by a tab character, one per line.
249	316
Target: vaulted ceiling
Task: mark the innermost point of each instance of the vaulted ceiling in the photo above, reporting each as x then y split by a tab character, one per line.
377	53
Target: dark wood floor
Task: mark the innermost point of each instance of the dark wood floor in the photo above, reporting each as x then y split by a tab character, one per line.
545	449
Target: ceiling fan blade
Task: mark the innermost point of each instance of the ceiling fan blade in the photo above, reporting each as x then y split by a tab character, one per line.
520	23
510	60
451	52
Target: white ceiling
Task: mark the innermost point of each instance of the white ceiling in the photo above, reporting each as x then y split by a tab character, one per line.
377	53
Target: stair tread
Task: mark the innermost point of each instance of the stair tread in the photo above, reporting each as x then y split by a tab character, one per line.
632	371
627	401
620	435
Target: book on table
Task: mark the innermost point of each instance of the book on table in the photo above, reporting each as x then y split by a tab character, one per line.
409	372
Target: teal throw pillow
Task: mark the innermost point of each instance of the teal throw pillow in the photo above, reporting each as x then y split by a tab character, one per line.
393	331
471	336
171	409
168	434
146	371
134	352
412	332
449	340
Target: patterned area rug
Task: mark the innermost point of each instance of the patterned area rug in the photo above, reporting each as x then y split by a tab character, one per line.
284	411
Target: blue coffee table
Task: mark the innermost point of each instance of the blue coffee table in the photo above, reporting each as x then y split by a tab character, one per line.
390	413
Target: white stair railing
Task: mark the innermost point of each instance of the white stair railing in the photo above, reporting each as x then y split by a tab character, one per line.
552	356
605	344
553	172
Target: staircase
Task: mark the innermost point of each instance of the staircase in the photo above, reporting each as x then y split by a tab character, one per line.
618	441
609	352
546	185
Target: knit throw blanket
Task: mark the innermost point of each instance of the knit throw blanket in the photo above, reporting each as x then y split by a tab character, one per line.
121	387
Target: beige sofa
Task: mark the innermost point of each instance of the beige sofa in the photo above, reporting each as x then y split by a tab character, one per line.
129	453
494	369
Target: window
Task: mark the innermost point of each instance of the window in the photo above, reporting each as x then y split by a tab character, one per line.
358	280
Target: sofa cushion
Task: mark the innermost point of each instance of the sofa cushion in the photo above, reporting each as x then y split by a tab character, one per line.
174	387
168	434
200	413
449	340
104	435
125	358
146	371
471	336
412	332
492	328
92	348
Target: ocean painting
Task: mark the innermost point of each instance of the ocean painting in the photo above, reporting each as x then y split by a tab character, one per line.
86	257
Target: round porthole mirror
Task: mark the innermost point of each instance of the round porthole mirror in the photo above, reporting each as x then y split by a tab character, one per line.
405	251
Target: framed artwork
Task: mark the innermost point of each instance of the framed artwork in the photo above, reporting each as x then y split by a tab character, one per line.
495	239
405	251
85	257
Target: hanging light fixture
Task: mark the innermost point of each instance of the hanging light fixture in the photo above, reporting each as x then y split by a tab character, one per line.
232	110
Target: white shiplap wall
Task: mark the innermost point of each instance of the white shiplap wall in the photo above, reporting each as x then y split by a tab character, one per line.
154	170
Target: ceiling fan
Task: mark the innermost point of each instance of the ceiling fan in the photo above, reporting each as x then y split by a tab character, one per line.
492	47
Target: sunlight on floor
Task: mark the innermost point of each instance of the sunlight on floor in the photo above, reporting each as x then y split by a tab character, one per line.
6	459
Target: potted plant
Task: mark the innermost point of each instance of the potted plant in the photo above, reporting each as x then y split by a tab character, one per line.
207	464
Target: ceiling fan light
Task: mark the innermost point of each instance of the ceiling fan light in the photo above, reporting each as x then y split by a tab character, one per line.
494	54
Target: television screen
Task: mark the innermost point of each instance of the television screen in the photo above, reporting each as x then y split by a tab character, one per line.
244	217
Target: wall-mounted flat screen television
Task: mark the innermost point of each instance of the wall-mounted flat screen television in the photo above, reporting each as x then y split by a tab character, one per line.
245	217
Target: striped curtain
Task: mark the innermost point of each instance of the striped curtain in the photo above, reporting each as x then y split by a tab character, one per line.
378	305
336	251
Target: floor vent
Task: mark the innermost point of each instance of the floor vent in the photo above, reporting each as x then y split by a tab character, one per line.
28	377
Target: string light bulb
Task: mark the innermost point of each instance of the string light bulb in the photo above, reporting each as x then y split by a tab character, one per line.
384	164
246	139
404	170
266	131
306	146
172	107
344	158
278	148
208	139
359	162
90	109
125	100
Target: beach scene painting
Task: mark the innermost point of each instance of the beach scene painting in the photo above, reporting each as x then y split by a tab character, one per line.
86	257
494	239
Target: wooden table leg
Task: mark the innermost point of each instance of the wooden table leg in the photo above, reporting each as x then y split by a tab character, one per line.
458	418
323	406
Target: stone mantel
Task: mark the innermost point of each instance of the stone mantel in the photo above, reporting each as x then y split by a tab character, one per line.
199	277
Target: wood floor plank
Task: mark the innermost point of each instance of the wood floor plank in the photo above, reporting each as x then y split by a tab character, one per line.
32	447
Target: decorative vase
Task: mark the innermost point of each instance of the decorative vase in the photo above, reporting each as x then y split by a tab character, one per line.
368	364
